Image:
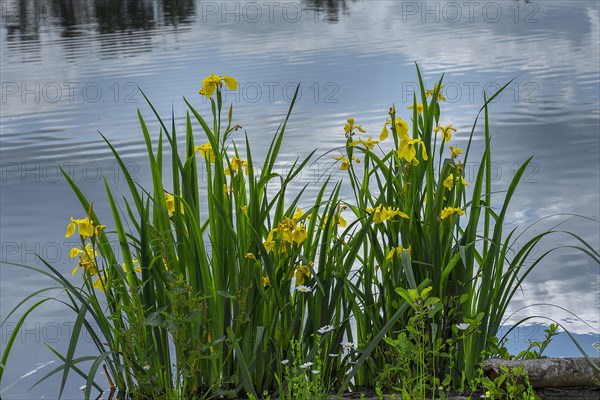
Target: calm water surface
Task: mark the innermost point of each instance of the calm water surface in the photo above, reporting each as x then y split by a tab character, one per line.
71	68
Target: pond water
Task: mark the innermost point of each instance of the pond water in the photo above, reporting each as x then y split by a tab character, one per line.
71	68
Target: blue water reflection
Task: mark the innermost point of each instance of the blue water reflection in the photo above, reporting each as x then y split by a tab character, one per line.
70	68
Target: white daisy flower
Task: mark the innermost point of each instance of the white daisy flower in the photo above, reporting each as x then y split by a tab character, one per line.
306	365
325	329
463	327
314	371
333	355
347	345
303	289
82	388
285	361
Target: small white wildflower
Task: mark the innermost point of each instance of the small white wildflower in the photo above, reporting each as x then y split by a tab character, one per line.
285	361
82	388
347	345
596	346
306	365
303	289
146	367
315	371
325	329
333	355
464	326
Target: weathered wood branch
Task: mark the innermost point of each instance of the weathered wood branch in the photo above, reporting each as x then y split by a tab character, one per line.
551	372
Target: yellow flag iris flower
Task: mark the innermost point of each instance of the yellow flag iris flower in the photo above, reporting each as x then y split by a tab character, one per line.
206	151
408	151
369	143
350	127
419	108
211	82
446	131
456	151
85	227
345	162
381	213
401	129
450	211
398	252
87	259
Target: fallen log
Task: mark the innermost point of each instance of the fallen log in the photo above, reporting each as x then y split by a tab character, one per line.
550	372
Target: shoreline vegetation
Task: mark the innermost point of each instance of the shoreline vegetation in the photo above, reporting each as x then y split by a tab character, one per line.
249	288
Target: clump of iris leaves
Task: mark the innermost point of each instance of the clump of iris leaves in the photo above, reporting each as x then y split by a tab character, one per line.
226	273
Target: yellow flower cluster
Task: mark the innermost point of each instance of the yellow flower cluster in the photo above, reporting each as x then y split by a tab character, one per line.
340	221
135	267
440	96
398	252
369	143
450	180
408	150
419	108
287	233
236	165
345	162
206	151
87	255
85	226
301	273
350	127
450	211
170	200
401	129
456	151
381	213
87	259
408	147
446	132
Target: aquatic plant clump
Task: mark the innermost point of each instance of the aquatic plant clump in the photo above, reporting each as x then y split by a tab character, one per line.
245	288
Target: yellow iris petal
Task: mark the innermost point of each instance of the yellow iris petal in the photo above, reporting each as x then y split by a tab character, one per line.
206	151
213	81
86	228
170	203
100	283
450	211
390	254
402	128
297	214
208	89
230	82
301	273
384	133
402	215
299	234
449	182
75	252
269	244
70	228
